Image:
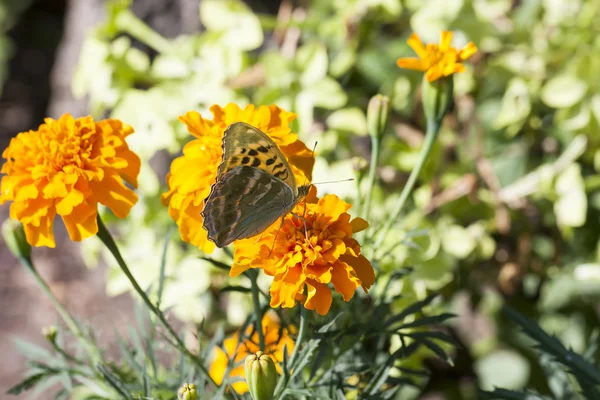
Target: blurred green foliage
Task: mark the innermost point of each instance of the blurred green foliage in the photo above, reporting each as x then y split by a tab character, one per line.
508	208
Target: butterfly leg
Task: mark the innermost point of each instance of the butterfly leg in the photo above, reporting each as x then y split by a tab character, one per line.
300	217
277	234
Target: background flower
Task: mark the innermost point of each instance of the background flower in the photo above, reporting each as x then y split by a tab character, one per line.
193	173
302	269
276	339
435	60
67	167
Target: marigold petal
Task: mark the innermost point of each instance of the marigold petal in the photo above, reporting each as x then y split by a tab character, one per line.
467	51
318	297
67	203
411	63
362	267
83	224
445	40
433	74
27	192
114	194
130	172
415	43
333	206
358	224
42	234
344	280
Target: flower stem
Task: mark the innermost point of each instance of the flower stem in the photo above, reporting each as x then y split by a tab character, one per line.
257	309
282	382
110	244
128	22
92	350
366	207
433	128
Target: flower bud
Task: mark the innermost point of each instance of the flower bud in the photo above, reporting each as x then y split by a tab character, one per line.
49	333
14	237
377	115
437	97
187	391
261	376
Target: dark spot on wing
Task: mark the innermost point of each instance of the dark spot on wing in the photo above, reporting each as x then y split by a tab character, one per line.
281	174
278	166
246	160
256	162
242	150
271	160
252	153
263	149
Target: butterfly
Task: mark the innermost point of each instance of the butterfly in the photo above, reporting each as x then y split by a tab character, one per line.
255	186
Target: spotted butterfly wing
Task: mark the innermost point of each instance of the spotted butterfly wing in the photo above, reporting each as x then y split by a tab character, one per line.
243	203
245	145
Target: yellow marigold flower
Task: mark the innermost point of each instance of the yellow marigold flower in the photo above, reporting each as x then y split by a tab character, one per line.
435	60
67	167
302	269
276	339
193	173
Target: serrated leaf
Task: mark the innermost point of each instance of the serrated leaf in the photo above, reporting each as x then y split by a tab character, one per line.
424	321
412	309
27	383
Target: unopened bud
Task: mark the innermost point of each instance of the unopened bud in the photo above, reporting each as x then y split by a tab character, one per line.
261	376
377	115
14	237
187	391
438	97
49	333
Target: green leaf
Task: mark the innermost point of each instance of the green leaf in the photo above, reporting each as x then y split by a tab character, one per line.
27	383
580	368
312	62
502	368
504	394
239	26
563	91
348	120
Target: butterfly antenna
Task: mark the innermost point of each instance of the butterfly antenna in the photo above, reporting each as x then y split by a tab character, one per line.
277	234
338	181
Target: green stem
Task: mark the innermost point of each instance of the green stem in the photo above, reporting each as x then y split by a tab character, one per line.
433	128
257	309
366	207
128	22
282	382
110	244
90	346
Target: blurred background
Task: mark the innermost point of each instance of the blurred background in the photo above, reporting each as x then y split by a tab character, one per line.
510	200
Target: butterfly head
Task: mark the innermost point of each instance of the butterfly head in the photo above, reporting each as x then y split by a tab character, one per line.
303	191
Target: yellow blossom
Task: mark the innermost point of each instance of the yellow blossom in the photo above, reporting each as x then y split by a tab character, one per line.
437	61
276	339
192	174
301	269
67	167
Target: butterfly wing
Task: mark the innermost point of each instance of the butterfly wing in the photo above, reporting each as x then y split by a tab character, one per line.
245	145
243	203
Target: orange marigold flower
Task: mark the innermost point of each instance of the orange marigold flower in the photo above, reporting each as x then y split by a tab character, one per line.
302	269
435	60
276	339
67	167
193	173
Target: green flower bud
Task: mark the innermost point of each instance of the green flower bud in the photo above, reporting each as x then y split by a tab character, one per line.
14	237
187	391
377	114
438	97
49	333
261	376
